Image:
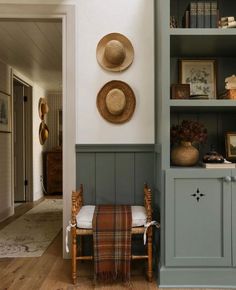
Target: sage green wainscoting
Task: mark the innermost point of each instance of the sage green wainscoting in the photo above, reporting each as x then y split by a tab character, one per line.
114	174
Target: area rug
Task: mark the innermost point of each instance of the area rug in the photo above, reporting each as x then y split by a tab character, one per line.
32	233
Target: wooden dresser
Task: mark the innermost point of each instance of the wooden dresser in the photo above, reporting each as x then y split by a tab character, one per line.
53	172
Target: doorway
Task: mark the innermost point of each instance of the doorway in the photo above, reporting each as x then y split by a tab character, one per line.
22	123
68	14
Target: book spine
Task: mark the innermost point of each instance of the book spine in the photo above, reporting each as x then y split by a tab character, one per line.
214	14
200	14
186	19
193	14
207	14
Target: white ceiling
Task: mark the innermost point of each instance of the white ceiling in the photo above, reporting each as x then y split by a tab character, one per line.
34	48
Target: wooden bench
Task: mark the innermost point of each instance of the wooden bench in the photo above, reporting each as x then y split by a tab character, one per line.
76	231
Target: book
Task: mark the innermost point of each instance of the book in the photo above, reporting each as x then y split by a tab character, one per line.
185	22
226	22
200	14
193	14
214	23
229	25
218	165
227	19
207	14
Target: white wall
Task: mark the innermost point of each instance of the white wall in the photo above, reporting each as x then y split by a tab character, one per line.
133	18
38	93
6	206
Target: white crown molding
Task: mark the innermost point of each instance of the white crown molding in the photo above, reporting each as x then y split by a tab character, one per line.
38	2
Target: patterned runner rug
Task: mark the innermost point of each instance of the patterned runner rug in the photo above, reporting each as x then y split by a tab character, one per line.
32	233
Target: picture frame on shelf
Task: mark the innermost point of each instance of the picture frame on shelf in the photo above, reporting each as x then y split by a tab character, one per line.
201	75
180	91
230	146
5	113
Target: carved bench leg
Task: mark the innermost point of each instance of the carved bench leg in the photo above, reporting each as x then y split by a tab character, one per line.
73	256
80	246
149	250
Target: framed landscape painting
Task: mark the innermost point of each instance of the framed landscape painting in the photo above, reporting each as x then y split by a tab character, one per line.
201	75
5	113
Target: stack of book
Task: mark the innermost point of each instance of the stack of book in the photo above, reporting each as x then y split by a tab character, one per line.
201	14
227	22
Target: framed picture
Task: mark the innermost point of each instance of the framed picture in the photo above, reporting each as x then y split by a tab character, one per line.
201	75
230	145
5	113
180	91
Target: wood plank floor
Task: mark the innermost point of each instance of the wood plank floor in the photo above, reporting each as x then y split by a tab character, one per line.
51	272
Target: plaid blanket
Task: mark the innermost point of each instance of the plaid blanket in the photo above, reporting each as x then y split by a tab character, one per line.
112	242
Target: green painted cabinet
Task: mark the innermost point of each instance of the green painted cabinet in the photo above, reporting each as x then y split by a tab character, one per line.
197	205
198	217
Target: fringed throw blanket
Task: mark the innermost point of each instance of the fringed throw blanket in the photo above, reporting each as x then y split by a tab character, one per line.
112	242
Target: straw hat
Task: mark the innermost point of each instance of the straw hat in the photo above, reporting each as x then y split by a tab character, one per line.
116	102
42	108
115	52
43	133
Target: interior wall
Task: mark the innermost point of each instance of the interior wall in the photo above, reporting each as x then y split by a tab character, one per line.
134	19
38	93
6	204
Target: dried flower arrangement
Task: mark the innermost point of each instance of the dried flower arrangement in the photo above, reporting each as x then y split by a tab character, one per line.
188	131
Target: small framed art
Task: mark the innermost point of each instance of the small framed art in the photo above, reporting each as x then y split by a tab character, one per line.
180	91
5	113
201	75
230	145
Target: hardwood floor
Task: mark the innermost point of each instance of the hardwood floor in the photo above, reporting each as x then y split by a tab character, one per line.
51	272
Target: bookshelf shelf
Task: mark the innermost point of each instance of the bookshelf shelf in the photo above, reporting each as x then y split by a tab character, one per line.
193	106
203	31
204	103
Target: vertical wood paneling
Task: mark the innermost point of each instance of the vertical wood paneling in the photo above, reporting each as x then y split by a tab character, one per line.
114	177
125	178
85	173
55	104
144	173
105	178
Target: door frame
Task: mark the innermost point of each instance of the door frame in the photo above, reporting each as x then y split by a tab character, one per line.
67	13
28	142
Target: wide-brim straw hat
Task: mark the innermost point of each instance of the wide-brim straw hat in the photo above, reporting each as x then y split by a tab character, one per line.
43	133
116	102
115	52
42	108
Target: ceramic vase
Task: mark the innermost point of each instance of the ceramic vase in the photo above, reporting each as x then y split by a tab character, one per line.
184	154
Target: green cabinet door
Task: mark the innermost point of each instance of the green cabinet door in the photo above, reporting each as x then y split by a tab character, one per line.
198	217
